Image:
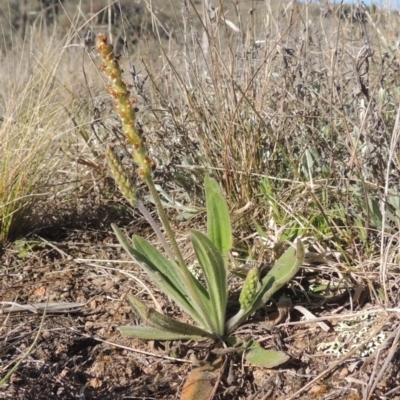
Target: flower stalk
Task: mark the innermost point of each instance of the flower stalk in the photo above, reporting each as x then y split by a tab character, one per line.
121	178
124	105
126	109
206	302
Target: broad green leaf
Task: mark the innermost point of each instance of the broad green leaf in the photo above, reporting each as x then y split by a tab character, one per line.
157	320
265	358
157	261
256	355
218	220
168	269
140	309
151	333
214	270
183	302
122	240
284	269
170	278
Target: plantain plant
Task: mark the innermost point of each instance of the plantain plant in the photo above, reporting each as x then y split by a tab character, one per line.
205	303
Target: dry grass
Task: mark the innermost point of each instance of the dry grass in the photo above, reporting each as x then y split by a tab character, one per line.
296	118
30	132
294	108
43	107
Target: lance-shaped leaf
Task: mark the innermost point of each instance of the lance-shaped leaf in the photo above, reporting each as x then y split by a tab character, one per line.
164	266
156	258
151	333
154	319
163	274
219	229
197	297
284	269
214	270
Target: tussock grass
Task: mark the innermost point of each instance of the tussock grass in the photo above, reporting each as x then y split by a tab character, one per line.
33	127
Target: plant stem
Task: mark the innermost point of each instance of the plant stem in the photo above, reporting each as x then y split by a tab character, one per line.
164	220
156	229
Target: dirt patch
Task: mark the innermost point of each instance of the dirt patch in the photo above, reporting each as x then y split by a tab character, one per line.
81	354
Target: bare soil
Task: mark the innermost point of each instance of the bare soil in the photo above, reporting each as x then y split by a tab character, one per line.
81	355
